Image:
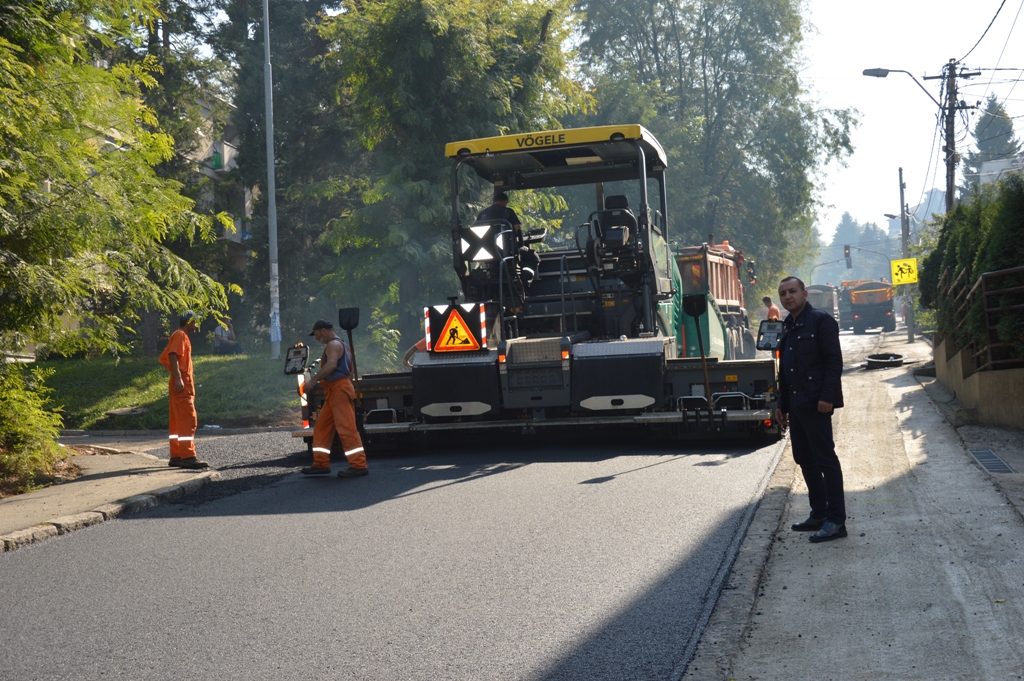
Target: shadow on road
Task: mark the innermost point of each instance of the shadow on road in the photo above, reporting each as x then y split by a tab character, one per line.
397	475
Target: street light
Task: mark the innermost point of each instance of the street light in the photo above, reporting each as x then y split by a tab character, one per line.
882	73
949	74
268	97
810	277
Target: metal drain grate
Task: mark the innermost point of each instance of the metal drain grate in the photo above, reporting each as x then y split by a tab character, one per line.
990	462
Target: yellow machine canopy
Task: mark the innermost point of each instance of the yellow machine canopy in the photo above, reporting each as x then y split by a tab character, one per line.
561	157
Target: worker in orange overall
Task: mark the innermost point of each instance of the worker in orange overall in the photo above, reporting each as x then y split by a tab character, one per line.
338	412
181	427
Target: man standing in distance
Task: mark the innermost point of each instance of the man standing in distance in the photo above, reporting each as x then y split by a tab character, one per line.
810	389
338	412
773	313
182	422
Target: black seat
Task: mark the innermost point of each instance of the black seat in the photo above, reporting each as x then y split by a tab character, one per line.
616	222
616	202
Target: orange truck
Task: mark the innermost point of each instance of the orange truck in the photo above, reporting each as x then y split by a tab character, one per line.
871	305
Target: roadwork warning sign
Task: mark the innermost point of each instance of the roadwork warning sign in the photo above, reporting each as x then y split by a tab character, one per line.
904	271
456	336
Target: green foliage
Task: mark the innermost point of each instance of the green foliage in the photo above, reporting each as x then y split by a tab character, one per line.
84	217
318	164
982	235
994	140
417	75
718	82
28	431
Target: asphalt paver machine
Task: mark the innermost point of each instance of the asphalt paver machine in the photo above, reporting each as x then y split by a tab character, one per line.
591	342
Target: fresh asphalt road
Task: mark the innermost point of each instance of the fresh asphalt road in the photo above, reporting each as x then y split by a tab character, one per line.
596	561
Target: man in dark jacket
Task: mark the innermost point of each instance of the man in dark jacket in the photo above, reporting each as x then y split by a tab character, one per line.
810	389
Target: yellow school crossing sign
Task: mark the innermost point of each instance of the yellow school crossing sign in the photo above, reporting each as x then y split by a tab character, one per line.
904	271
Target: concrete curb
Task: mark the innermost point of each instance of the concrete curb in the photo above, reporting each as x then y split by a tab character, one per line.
720	641
163	433
117	509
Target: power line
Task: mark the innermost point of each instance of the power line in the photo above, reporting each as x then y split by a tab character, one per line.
994	82
1001	52
986	30
1002	134
928	167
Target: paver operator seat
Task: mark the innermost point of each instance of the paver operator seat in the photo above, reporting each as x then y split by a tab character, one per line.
613	244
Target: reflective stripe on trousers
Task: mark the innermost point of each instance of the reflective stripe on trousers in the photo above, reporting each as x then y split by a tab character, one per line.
338	415
181	423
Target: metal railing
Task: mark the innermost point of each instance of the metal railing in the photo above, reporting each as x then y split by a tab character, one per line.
986	359
990	287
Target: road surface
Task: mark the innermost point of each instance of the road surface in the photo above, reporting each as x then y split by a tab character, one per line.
597	561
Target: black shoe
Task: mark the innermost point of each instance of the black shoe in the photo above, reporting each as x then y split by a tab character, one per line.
192	463
316	470
812	524
353	472
828	532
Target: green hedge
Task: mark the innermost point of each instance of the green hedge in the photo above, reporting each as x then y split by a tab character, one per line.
985	234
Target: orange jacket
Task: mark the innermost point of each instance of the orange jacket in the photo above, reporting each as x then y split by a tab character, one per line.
181	346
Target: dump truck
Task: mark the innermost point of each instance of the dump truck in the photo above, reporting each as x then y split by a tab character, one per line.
714	271
845	310
824	297
602	338
871	306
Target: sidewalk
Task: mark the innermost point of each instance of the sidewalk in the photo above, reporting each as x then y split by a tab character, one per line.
115	481
930	582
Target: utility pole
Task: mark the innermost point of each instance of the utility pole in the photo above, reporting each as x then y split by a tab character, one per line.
949	109
951	156
908	300
268	97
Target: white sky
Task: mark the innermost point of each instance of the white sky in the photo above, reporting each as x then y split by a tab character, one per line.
897	118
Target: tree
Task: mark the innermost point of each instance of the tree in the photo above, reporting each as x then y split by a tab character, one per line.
978	236
318	160
83	214
418	74
84	217
189	98
718	82
867	264
994	140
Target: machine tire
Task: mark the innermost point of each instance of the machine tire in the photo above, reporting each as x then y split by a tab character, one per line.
889	326
858	329
749	351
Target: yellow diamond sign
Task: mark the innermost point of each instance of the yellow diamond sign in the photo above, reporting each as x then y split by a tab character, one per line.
904	271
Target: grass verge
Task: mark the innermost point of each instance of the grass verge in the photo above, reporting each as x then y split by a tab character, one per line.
231	391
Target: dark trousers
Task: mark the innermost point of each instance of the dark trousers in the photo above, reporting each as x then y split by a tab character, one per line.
815	452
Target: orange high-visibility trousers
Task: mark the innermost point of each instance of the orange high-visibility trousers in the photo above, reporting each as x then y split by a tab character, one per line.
182	422
337	414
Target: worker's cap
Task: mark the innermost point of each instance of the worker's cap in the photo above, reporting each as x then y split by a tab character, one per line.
321	324
186	316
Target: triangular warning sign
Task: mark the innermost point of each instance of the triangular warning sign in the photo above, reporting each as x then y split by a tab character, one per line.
456	336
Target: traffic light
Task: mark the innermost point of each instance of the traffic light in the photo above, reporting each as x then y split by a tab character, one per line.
846	254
